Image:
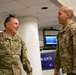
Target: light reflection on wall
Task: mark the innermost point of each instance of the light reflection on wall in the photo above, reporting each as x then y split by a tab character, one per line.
0	31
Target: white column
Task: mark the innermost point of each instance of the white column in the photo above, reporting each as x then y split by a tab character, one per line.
29	32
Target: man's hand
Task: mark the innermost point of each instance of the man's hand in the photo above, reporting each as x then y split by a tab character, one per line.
29	73
55	73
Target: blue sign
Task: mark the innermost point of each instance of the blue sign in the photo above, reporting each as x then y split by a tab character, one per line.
47	60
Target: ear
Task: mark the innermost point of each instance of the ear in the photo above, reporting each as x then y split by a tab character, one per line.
68	15
7	25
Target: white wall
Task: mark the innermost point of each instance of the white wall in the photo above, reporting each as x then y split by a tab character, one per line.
1	26
48	72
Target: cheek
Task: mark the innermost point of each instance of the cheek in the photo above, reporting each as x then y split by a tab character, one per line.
12	28
62	17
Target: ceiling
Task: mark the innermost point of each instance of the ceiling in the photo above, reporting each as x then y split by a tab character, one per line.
23	8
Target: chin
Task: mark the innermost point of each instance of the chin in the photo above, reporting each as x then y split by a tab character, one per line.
59	23
15	32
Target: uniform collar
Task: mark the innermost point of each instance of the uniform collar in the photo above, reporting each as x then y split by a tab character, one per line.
64	29
6	36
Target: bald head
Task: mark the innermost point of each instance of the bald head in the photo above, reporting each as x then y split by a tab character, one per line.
67	9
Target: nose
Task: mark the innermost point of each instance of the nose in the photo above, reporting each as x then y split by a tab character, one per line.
58	16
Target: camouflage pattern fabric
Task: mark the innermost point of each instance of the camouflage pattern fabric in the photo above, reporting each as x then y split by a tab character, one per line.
12	51
65	56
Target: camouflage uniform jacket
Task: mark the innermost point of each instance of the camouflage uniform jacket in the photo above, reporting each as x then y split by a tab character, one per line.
65	56
12	51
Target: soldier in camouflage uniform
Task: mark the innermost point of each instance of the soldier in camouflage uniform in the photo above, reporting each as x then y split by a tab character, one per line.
65	56
12	50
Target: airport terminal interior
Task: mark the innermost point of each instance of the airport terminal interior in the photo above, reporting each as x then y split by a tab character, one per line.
38	24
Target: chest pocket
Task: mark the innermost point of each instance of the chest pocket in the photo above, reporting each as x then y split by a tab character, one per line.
10	47
3	50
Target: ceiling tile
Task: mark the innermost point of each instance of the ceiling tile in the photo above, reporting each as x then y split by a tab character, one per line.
50	13
45	20
38	9
4	1
53	18
38	16
49	24
1	12
10	6
23	12
33	2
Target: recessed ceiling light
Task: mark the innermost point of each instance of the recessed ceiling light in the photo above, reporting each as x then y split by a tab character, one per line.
44	8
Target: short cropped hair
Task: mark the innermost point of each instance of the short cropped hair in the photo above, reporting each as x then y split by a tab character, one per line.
8	19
